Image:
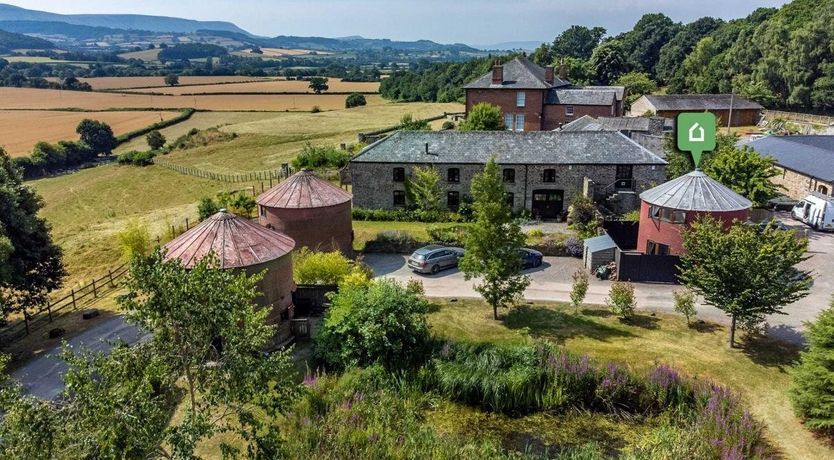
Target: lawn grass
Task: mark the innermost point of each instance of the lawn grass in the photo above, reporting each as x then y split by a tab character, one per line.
760	373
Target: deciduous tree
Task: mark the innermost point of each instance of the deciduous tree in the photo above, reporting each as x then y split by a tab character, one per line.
318	85
747	272
483	117
155	140
30	263
424	189
745	171
493	243
171	79
97	135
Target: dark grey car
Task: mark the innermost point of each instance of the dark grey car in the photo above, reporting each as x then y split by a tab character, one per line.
433	258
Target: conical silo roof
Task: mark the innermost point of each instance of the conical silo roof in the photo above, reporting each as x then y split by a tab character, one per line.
235	241
696	192
303	190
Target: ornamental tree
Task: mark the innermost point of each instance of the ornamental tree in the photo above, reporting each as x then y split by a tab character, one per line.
748	272
493	243
424	189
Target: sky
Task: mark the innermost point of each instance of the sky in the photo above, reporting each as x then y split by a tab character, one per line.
476	22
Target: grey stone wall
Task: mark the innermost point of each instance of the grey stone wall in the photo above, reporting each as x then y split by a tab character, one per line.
797	186
373	184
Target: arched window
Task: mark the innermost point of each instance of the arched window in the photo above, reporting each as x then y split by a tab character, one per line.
822	189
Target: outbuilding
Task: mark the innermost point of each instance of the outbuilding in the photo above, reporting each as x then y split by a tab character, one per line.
240	244
312	211
743	111
599	250
670	208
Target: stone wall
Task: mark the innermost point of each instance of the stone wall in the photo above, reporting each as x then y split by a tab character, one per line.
797	185
373	184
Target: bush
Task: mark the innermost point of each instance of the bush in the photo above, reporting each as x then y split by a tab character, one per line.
621	299
355	100
452	235
321	157
206	208
196	138
575	246
579	289
685	304
812	392
406	215
379	323
582	215
135	240
136	158
155	140
448	125
315	109
327	268
393	241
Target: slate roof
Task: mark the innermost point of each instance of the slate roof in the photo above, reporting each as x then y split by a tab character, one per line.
237	242
303	190
809	155
696	192
700	102
534	147
618	90
519	73
581	96
589	123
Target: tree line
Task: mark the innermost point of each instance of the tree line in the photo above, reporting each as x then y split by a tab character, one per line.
777	57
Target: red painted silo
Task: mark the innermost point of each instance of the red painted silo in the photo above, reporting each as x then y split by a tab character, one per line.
668	209
240	244
312	211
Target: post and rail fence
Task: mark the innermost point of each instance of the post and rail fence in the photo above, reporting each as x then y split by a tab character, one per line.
251	176
80	297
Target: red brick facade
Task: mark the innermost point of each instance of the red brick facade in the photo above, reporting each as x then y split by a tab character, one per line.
538	116
667	233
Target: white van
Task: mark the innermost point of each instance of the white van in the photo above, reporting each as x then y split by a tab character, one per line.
816	210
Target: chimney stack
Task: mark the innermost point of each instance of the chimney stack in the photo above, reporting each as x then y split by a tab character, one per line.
497	74
563	73
548	74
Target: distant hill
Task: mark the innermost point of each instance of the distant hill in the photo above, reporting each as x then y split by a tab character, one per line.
11	41
118	21
59	28
511	46
353	43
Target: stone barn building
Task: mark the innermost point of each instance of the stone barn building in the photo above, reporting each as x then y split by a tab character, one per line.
314	212
541	170
670	208
534	98
806	163
240	244
745	112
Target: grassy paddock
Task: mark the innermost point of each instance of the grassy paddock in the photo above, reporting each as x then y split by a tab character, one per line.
759	373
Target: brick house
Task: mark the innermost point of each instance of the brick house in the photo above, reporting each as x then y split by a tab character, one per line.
806	163
534	98
745	112
542	171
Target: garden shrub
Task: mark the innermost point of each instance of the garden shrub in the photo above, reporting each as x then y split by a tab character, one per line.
575	246
621	299
321	157
393	241
135	240
582	215
685	304
535	233
325	268
447	125
382	322
406	215
452	235
579	288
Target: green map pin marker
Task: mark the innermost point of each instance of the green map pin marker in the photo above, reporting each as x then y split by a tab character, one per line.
696	134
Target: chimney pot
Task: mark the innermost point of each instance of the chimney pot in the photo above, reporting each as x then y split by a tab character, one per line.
497	74
549	74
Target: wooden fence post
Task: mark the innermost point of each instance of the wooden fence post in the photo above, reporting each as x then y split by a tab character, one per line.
110	274
72	292
95	292
26	320
186	224
49	310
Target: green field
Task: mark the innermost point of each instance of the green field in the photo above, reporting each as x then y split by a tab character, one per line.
760	373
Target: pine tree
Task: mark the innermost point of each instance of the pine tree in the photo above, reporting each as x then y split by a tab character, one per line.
813	380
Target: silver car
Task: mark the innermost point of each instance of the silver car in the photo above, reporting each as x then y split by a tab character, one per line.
433	258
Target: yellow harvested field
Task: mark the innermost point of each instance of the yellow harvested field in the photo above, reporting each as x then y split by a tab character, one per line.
20	130
145	82
277	86
30	98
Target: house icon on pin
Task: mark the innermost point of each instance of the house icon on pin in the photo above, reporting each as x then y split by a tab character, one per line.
697	133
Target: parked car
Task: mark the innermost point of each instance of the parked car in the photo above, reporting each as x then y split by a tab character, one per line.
816	210
433	258
530	258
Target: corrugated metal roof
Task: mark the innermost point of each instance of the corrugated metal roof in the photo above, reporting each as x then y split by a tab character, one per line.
519	73
700	102
535	147
304	190
235	241
696	192
809	155
600	243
